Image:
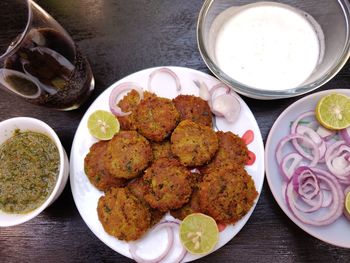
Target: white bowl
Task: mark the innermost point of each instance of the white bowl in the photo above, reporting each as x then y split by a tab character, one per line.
7	128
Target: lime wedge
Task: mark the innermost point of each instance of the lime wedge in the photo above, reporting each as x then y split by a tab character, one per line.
333	111
103	125
199	233
347	203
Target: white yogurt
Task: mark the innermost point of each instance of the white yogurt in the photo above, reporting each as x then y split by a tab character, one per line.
267	45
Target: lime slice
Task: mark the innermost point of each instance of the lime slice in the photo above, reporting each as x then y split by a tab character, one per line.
199	233
103	125
333	111
347	203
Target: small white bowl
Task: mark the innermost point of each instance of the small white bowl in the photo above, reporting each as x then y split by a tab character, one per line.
7	128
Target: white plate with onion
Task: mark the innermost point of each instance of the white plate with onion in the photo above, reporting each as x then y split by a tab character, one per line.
308	170
86	196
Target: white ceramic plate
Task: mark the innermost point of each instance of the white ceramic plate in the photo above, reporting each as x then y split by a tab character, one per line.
337	233
86	195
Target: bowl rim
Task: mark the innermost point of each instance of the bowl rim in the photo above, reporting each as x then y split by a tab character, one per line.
47	130
268	94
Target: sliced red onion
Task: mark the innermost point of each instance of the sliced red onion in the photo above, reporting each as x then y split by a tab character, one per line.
226	105
211	95
346	214
312	135
338	160
168	226
305	182
324	133
327	198
335	210
306	185
298	119
293	160
167	71
315	204
316	153
345	133
117	91
181	256
218	86
203	90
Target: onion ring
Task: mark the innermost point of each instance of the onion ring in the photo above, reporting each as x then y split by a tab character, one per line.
116	110
335	210
290	137
164	70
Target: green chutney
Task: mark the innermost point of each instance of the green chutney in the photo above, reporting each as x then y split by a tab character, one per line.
29	166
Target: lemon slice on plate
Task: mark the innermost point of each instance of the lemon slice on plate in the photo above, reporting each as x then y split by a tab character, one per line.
199	233
333	111
103	125
347	204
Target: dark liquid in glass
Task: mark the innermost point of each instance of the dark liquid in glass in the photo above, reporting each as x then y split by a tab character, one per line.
57	75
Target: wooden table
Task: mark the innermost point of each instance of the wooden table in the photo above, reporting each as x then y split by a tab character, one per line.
119	38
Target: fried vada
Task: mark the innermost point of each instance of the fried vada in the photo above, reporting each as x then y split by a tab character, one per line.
123	215
95	168
128	154
139	188
193	108
129	104
156	118
232	149
227	194
168	184
194	144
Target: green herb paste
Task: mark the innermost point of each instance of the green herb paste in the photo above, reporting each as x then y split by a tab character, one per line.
29	166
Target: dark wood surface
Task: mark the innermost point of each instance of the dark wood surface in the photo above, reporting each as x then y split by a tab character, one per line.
119	38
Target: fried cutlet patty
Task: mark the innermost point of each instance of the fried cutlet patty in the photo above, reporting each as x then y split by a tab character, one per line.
193	108
129	103
161	150
191	207
128	154
139	188
95	169
168	184
156	118
123	215
194	144
227	194
232	149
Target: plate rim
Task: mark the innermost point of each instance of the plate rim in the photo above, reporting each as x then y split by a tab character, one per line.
258	137
269	180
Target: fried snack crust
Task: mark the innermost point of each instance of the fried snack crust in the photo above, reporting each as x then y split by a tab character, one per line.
123	215
227	194
156	118
193	108
128	154
139	188
129	103
168	184
191	207
95	168
161	150
194	144
232	149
